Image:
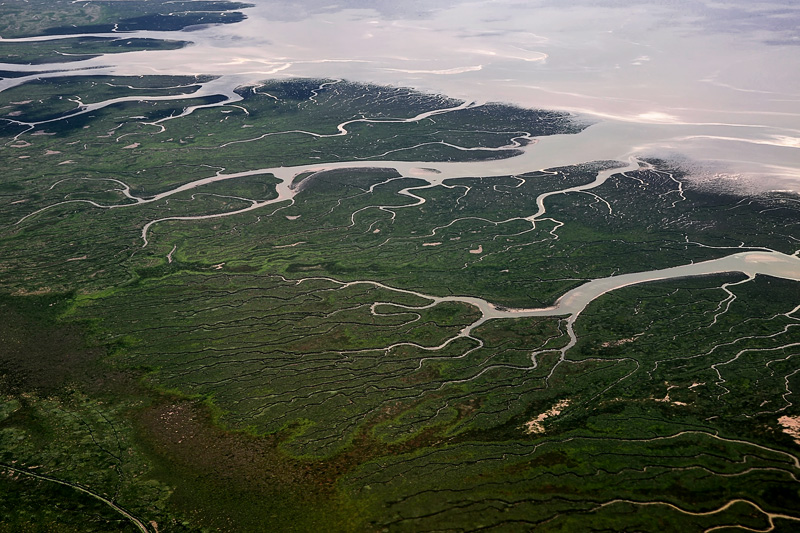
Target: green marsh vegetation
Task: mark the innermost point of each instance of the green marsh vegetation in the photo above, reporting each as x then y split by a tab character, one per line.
27	18
271	369
78	49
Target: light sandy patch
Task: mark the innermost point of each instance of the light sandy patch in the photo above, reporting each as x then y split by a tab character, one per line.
536	425
19	201
22	102
696	384
14	114
761	258
292	217
24	157
52	152
41	132
37	292
81	258
791	426
376	230
290	245
667	399
218	267
67	162
134	145
20	144
431	243
618	343
478	251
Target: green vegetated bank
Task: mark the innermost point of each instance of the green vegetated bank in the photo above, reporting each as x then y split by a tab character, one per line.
27	18
470	235
40	107
62	426
270	370
80	157
78	49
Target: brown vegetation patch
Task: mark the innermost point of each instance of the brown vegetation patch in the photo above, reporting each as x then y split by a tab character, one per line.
235	481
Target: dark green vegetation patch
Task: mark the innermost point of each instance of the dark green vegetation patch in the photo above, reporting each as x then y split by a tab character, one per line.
26	18
78	49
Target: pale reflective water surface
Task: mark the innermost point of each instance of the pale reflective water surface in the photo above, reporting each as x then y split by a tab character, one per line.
717	83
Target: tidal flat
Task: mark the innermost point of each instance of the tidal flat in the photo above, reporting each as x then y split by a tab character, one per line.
300	304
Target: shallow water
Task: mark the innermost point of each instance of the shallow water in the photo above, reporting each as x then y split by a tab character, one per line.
710	82
717	84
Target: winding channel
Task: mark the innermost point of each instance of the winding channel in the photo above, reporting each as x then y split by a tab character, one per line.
574	302
549	152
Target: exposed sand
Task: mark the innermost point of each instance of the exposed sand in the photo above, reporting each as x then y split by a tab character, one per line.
667	399
37	292
431	243
535	425
618	343
791	426
478	251
761	258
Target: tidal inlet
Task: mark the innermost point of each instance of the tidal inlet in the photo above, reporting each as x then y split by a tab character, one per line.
449	266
